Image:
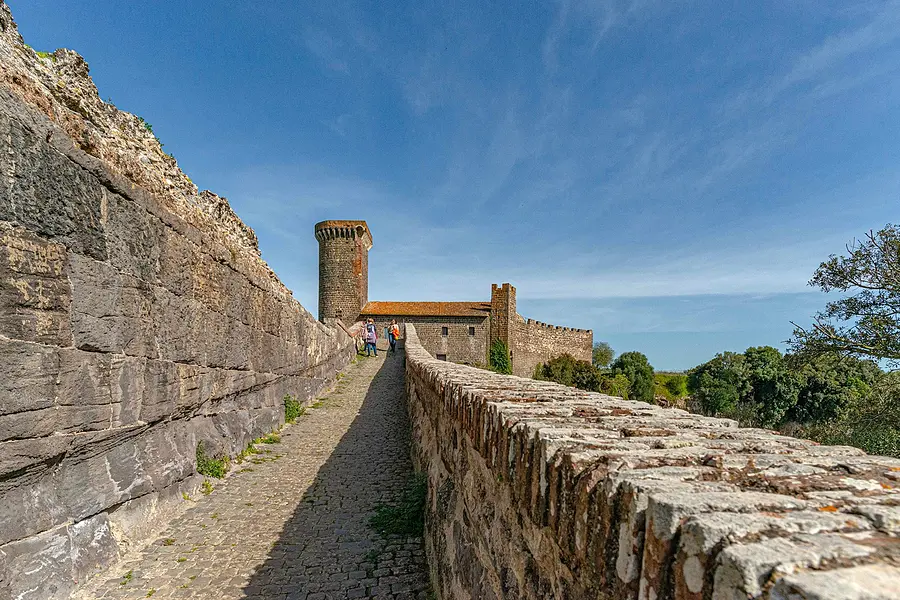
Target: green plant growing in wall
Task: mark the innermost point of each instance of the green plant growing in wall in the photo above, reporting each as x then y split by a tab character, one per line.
209	466
292	409
499	358
146	125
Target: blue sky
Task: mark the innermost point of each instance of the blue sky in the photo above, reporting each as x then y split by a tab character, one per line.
668	173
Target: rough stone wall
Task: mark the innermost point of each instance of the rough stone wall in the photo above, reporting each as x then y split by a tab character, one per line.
136	320
537	342
536	491
343	268
457	345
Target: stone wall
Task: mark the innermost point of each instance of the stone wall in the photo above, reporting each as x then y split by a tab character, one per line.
136	320
535	343
538	491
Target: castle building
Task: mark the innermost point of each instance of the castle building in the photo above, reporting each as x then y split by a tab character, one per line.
461	332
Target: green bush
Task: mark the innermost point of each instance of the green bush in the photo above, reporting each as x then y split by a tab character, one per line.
292	409
566	370
499	358
585	376
676	385
211	467
636	367
145	124
560	369
871	423
615	385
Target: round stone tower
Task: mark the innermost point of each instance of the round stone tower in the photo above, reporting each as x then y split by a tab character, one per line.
343	269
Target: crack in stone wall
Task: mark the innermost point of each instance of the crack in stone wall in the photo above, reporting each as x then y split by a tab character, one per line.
536	490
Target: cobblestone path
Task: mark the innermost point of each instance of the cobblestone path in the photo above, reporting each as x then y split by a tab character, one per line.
293	523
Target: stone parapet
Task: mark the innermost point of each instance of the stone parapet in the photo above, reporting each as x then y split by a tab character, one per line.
536	490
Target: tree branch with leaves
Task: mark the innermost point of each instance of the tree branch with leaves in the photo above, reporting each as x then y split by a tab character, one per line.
865	322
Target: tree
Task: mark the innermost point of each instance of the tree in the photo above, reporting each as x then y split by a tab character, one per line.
602	355
560	369
585	376
615	385
565	369
499	358
718	385
636	367
867	322
773	387
871	423
831	385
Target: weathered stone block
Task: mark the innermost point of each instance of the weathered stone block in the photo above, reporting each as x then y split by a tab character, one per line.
870	582
111	311
34	288
44	192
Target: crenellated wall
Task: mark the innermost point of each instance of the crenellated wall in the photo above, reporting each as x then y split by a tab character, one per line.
537	343
537	490
137	319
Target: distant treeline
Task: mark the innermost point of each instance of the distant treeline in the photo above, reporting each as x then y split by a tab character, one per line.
830	387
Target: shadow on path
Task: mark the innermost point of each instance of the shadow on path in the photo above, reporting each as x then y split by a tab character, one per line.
326	549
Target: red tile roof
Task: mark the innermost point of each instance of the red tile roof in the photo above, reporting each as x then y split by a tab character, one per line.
427	309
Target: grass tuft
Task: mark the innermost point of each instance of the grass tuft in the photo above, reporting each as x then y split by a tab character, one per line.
209	466
292	409
407	516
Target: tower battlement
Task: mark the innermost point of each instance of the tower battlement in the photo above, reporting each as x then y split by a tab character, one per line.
330	230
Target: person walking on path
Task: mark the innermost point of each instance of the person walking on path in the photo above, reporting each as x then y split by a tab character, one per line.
393	334
371	338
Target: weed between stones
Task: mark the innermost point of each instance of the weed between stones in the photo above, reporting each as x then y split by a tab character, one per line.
209	466
127	577
292	409
406	517
206	488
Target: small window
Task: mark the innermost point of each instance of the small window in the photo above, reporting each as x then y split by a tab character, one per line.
441	356
445	331
472	331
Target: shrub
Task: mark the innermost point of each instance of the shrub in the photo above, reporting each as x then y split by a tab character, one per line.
209	466
560	369
615	385
292	409
499	358
676	385
145	124
636	367
585	376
